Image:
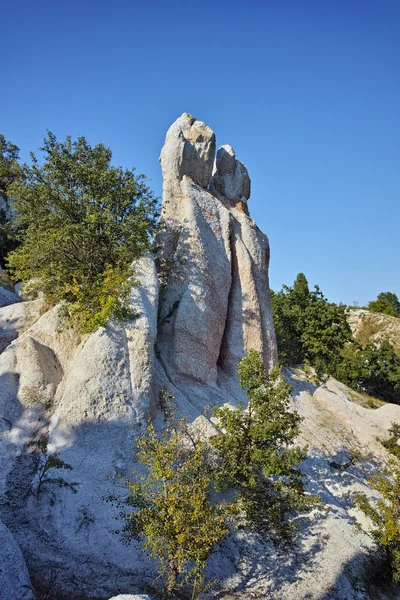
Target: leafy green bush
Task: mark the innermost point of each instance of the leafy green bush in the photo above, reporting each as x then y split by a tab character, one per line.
386	303
256	451
311	330
169	510
384	515
373	368
391	444
83	223
9	171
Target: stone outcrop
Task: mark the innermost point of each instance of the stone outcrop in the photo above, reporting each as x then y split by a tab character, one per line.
215	305
92	395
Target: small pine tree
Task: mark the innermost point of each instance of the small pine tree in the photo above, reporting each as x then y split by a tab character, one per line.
256	451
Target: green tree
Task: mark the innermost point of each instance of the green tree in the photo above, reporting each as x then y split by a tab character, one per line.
385	515
84	221
308	327
9	167
169	510
387	303
256	451
9	171
324	333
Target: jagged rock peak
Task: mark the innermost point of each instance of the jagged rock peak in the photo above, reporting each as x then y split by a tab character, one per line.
189	149
230	177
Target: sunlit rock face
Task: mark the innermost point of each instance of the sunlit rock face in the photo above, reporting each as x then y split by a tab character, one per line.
202	302
215	305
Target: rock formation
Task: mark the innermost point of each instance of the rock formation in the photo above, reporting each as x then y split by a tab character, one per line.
202	303
91	395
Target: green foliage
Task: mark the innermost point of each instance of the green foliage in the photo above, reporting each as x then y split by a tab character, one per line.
391	444
386	303
308	327
313	331
9	168
84	221
9	171
384	515
256	451
170	512
373	368
324	333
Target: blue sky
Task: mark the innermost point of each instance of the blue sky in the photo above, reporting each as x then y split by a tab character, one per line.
307	93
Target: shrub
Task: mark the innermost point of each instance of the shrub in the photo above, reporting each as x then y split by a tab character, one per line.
83	223
9	171
386	303
169	510
308	327
384	515
257	454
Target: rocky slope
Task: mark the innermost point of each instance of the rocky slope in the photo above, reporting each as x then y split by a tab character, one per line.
367	325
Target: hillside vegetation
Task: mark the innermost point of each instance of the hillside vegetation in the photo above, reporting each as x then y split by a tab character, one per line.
313	331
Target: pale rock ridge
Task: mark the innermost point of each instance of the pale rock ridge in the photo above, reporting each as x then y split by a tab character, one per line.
230	177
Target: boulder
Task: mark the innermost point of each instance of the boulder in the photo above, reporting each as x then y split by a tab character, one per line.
230	177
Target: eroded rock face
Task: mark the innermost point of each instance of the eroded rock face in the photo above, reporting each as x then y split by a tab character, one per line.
92	395
215	305
230	177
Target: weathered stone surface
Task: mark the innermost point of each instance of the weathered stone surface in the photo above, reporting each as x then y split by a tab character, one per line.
16	318
14	579
215	306
230	177
91	396
189	150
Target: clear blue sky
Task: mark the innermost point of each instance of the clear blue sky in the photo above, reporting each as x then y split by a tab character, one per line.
307	93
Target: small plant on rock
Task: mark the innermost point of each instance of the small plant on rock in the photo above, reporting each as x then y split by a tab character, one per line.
44	463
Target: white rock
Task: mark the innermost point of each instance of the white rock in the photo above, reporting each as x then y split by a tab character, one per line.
100	392
230	177
14	579
216	303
